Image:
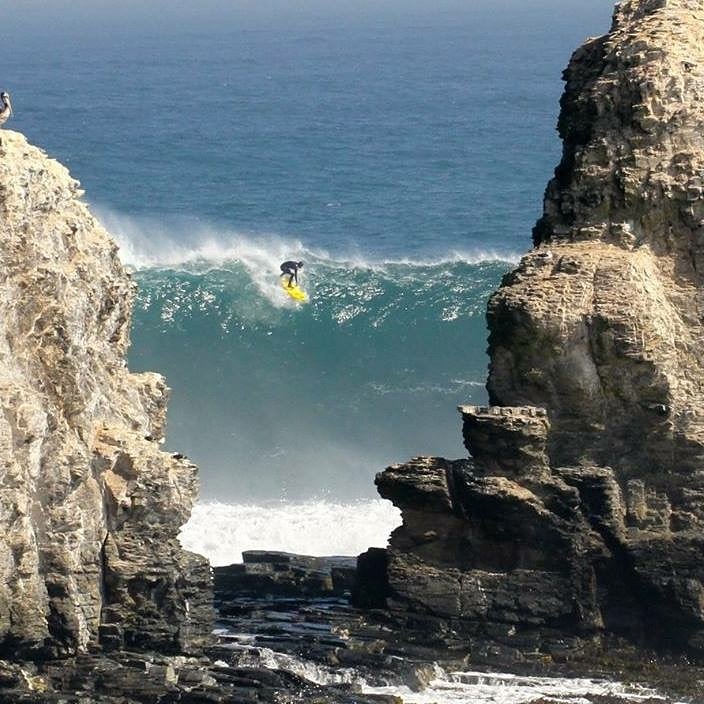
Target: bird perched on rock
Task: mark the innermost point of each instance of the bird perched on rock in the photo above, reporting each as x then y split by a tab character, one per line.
6	109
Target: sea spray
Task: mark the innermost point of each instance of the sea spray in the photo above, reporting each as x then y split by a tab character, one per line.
221	531
180	242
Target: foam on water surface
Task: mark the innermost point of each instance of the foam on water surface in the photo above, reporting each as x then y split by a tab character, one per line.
471	687
221	532
500	688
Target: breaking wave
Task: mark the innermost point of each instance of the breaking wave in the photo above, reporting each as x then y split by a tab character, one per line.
181	243
280	401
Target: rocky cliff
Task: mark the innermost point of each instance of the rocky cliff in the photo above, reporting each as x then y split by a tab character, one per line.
587	517
602	323
90	507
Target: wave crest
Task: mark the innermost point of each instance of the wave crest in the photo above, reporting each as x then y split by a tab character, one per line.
193	245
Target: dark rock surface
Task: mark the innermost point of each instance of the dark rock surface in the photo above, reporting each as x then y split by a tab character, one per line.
270	573
138	678
327	638
319	649
541	559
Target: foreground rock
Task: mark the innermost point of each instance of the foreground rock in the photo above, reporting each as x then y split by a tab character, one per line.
313	646
91	507
502	552
270	573
320	637
135	678
586	519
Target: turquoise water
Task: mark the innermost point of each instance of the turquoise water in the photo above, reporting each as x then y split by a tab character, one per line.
402	155
317	396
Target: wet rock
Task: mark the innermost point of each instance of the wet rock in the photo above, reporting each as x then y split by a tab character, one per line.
134	678
284	574
371	588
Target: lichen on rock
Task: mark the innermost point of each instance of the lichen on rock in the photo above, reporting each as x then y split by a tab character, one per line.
91	506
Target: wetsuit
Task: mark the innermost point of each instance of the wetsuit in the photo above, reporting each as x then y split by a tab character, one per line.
290	269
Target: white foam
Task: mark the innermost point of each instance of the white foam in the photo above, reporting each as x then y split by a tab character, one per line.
221	531
180	244
499	688
453	256
452	687
147	243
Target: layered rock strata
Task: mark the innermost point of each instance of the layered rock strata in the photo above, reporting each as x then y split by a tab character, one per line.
587	518
90	506
271	573
496	548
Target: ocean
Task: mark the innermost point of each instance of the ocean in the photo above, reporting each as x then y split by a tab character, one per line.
402	155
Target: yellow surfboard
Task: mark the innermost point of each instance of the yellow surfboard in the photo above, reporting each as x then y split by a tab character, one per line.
294	291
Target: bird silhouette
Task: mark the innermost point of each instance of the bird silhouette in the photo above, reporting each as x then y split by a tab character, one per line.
7	108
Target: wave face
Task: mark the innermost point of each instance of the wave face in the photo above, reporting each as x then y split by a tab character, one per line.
277	400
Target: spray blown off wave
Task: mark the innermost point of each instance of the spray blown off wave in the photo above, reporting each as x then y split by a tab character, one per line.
277	400
184	244
221	532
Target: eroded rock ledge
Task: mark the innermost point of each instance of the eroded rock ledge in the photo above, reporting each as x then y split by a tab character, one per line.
587	518
90	506
538	559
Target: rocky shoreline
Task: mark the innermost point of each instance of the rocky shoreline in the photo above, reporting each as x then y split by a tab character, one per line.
287	631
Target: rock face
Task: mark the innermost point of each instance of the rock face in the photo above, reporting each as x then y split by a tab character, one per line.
89	506
602	323
588	518
495	552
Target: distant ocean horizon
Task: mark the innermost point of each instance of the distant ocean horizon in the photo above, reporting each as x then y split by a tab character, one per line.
402	157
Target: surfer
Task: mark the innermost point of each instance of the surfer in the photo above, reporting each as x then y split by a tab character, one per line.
290	269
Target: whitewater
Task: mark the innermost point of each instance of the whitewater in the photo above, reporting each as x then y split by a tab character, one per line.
222	532
447	686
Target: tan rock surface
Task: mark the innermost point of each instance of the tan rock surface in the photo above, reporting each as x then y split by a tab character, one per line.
90	506
602	324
